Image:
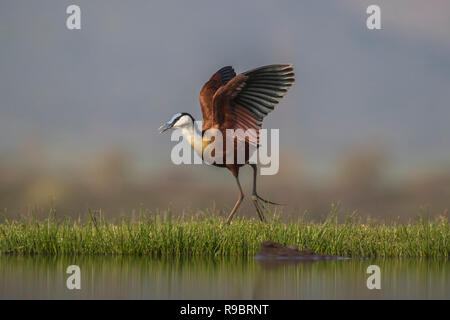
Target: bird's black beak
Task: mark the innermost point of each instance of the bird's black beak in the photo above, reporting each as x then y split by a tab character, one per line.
166	126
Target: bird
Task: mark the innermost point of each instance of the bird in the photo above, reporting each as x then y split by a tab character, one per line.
230	101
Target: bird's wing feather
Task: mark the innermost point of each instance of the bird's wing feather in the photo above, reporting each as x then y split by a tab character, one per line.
245	100
219	79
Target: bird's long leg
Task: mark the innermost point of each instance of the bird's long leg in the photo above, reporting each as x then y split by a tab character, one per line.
255	195
238	202
255	172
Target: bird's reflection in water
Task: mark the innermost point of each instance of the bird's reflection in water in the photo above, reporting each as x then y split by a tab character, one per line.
122	277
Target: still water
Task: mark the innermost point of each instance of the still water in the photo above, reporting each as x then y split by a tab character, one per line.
102	277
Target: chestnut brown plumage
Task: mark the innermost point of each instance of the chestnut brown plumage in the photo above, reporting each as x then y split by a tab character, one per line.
230	101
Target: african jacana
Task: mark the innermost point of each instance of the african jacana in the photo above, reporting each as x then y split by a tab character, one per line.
231	101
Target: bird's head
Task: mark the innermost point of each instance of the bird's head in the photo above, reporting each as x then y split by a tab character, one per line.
178	121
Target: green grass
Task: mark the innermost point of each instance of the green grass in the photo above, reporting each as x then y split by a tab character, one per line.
197	236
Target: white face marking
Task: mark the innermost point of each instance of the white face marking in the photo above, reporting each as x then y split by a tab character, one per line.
183	122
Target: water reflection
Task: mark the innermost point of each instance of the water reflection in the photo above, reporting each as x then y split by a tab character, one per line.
109	277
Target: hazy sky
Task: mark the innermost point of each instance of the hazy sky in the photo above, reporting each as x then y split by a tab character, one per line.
135	63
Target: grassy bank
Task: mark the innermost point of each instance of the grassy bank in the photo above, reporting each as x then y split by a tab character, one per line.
208	236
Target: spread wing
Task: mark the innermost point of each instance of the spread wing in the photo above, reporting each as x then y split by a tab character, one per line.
219	79
247	98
